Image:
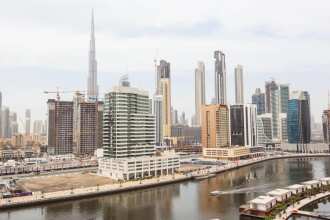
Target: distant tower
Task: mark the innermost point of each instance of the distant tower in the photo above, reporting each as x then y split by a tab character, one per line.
0	114
220	78
239	85
199	91
27	121
92	87
258	98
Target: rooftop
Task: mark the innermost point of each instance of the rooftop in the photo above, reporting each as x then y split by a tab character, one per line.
278	192
311	182
295	186
263	200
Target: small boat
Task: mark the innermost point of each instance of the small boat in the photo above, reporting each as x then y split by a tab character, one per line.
204	176
216	193
201	177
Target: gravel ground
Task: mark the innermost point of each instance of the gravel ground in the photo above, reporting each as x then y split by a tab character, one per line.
62	182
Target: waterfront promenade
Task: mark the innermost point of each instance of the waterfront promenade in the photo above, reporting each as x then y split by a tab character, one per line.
40	197
294	209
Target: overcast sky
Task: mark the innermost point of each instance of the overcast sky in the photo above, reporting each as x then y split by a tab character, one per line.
44	45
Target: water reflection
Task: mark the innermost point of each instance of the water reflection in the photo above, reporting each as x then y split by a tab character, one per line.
188	200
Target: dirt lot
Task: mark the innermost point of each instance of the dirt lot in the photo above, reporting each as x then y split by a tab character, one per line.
62	182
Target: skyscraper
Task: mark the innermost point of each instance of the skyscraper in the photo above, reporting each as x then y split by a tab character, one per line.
183	120
158	112
239	85
284	127
264	128
215	126
129	137
0	114
60	127
92	87
176	117
220	78
27	121
163	71
243	125
273	106
258	98
164	89
87	130
37	127
284	97
299	119
270	91
129	128
199	91
5	122
326	126
13	123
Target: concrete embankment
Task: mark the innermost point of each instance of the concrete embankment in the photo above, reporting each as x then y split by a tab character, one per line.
240	164
39	197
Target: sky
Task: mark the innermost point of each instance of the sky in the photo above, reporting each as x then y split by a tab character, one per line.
44	45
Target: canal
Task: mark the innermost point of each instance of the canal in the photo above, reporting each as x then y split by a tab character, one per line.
183	201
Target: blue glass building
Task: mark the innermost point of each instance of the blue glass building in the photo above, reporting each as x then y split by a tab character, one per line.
298	119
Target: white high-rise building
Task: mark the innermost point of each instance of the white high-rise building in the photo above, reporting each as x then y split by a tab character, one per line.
199	91
272	92
239	85
264	128
220	78
92	87
129	137
129	128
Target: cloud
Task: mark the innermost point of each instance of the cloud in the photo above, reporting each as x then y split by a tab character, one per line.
198	29
44	43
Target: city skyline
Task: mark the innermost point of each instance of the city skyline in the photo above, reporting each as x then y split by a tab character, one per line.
65	64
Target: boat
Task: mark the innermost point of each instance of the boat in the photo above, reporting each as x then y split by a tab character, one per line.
204	176
201	177
216	193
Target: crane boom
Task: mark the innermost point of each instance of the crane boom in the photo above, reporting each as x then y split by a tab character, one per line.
57	92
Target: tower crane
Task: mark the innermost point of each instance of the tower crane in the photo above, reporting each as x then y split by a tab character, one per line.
57	92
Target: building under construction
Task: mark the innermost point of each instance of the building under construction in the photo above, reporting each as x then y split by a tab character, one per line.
60	127
88	127
74	126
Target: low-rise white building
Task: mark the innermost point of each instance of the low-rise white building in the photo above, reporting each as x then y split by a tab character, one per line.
325	181
296	188
139	167
312	184
262	203
281	195
230	153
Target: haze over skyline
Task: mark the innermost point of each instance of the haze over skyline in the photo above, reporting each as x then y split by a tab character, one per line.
48	48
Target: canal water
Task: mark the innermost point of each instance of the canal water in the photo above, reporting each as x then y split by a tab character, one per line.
183	201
